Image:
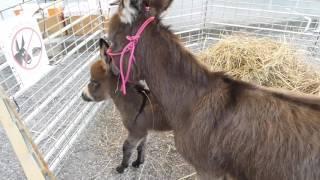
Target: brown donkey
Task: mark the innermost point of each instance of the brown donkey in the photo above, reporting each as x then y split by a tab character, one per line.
221	125
137	113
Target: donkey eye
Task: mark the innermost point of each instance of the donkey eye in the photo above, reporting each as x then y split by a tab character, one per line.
94	83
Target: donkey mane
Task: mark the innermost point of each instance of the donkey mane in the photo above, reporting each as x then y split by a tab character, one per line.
307	101
181	58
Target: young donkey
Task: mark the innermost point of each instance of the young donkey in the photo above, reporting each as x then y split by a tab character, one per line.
221	125
137	113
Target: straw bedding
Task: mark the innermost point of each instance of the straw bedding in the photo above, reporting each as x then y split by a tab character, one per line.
263	61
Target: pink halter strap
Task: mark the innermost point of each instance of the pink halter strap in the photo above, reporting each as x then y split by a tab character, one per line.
129	48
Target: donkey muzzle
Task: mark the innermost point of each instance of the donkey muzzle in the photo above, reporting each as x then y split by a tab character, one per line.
85	97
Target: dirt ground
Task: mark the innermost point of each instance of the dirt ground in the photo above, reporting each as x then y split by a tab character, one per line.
9	165
97	153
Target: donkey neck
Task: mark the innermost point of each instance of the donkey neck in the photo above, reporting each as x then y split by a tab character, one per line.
128	104
173	74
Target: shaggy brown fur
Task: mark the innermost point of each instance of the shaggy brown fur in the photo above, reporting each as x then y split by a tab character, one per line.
221	125
138	114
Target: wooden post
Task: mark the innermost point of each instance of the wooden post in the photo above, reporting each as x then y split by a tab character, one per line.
31	160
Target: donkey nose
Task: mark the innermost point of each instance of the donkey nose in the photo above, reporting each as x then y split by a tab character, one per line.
85	97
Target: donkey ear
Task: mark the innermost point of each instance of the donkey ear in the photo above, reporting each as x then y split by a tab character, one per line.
103	44
104	66
137	3
159	6
22	42
17	46
103	48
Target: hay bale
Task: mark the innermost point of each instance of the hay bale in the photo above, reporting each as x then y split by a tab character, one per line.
262	61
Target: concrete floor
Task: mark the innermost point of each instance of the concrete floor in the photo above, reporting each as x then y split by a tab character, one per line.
10	168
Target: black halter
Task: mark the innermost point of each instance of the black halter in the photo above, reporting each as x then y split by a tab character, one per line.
144	93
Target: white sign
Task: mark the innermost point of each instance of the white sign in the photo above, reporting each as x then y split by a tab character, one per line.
22	43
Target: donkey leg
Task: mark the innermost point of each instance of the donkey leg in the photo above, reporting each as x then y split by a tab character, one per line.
129	144
141	153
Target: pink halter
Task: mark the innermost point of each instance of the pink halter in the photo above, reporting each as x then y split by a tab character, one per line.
129	48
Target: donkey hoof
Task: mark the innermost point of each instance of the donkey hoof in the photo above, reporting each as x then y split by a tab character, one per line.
136	164
120	169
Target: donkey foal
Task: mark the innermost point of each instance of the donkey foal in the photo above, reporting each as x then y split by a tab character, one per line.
137	113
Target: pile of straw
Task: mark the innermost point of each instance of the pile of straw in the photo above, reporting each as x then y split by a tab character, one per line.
262	61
